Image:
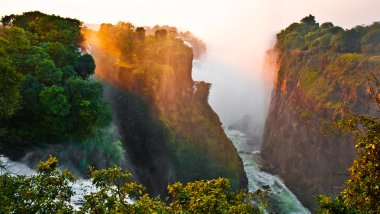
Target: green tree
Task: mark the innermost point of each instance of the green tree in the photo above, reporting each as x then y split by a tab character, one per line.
309	20
47	73
85	66
52	105
54	101
213	196
49	191
10	82
362	191
347	41
371	41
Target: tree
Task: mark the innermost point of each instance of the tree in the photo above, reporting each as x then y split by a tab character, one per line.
371	41
140	33
10	82
362	191
47	73
85	66
47	192
213	196
44	50
309	20
50	190
347	41
54	101
161	34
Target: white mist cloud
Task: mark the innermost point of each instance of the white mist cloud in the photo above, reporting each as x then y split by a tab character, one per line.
237	33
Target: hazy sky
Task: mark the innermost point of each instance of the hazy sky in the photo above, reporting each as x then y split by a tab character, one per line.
233	28
237	33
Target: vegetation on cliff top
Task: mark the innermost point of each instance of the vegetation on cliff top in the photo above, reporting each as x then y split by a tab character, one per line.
332	71
327	67
50	101
175	130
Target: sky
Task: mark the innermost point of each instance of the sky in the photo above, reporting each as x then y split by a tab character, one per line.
237	34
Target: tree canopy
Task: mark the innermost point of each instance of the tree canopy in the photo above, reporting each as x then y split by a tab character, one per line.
47	91
50	191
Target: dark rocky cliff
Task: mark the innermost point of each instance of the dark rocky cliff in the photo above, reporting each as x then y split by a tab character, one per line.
169	131
309	162
323	72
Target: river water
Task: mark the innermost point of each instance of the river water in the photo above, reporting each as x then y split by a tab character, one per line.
281	199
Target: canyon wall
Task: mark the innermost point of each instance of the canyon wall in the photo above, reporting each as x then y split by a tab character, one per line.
169	131
323	72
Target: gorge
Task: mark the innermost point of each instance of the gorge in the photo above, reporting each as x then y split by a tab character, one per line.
140	98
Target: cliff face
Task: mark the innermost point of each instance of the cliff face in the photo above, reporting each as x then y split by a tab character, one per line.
323	71
309	162
169	131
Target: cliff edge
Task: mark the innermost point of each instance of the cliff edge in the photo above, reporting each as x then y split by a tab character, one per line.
323	71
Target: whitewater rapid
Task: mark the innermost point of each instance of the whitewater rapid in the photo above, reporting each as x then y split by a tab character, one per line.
80	187
281	199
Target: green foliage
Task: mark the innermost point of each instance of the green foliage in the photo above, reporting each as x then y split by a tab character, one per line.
85	66
47	94
50	190
362	191
309	20
321	64
10	82
161	114
212	196
308	35
347	41
54	101
330	72
47	73
47	28
371	41
115	189
47	192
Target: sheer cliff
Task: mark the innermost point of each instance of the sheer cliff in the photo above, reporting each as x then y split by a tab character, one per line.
169	131
323	71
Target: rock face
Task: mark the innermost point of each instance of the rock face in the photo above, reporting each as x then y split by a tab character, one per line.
169	131
309	162
323	71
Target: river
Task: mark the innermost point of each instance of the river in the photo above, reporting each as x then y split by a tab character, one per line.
281	199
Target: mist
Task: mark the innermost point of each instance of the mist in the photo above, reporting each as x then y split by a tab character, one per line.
237	34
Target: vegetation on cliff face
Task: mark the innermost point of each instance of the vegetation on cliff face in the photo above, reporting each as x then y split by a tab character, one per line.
50	102
362	190
324	71
47	93
167	125
50	191
49	99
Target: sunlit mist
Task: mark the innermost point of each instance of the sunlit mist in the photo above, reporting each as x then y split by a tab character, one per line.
237	33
